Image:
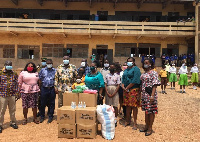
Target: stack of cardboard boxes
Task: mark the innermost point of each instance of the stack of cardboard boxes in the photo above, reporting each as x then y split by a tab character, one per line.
79	122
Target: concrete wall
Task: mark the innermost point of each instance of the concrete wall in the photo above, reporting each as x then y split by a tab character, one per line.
32	4
34	39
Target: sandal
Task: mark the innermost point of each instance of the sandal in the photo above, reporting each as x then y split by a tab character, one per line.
24	122
134	127
148	132
127	124
36	121
143	130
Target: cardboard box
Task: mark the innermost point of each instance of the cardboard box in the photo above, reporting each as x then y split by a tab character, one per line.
86	116
89	99
66	115
66	131
86	131
69	97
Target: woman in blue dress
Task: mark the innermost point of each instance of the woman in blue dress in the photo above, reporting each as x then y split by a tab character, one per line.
94	80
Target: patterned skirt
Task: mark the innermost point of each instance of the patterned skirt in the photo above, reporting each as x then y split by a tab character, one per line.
130	98
29	100
147	106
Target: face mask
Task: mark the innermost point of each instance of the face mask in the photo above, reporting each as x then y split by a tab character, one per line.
129	64
106	65
146	66
30	69
183	64
173	66
124	67
43	63
92	68
8	67
66	62
78	80
112	70
83	64
49	66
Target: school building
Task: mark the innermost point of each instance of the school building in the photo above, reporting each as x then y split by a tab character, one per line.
32	29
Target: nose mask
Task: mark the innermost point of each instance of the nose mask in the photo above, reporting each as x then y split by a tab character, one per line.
43	63
49	66
129	64
83	64
8	67
146	66
78	80
30	69
65	62
92	68
106	65
124	67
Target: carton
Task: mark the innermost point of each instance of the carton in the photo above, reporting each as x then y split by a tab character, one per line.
66	115
69	97
86	131
86	116
89	99
66	131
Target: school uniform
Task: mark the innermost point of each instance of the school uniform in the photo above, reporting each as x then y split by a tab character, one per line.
172	76
183	80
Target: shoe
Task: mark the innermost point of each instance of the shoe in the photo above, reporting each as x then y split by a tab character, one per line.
24	122
38	114
1	129
36	121
41	120
143	130
180	91
165	92
162	92
148	133
50	120
14	126
184	92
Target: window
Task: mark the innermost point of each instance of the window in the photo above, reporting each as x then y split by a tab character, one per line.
7	51
125	49
149	49
78	50
52	50
28	51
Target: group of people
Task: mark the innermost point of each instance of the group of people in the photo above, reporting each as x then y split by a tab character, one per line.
169	74
119	85
177	60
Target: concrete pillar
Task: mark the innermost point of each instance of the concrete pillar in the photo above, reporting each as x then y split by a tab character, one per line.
197	34
15	51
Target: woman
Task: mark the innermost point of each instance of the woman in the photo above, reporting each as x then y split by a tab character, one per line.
195	78
28	84
150	82
131	85
172	76
183	80
94	80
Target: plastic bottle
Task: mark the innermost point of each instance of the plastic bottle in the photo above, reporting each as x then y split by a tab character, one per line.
72	105
81	104
84	105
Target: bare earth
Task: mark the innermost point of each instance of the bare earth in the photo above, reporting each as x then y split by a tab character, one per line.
178	119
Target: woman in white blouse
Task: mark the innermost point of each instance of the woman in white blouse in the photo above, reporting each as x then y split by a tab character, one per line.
172	76
195	78
183	80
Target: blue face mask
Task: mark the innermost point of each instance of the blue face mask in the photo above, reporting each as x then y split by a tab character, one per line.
43	63
65	62
129	64
8	67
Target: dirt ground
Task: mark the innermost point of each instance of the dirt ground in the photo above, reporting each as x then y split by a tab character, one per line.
178	119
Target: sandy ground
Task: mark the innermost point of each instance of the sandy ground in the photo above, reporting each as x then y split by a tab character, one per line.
178	119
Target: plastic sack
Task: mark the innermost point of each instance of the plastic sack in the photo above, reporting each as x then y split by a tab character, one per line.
83	87
90	91
106	116
77	91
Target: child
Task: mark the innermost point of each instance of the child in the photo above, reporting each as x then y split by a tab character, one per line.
78	82
112	84
163	76
183	76
195	78
172	76
167	69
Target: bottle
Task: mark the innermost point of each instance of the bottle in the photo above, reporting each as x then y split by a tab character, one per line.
81	104
84	105
72	105
70	90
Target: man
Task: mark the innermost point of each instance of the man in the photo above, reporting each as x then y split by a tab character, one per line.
43	63
163	58
64	78
85	66
47	79
8	92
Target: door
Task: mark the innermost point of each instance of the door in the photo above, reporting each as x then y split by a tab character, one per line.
110	55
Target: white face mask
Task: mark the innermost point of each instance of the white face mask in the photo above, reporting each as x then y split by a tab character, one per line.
106	65
173	66
49	66
83	64
78	80
65	62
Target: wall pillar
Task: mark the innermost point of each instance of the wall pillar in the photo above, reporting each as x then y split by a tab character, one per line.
197	34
